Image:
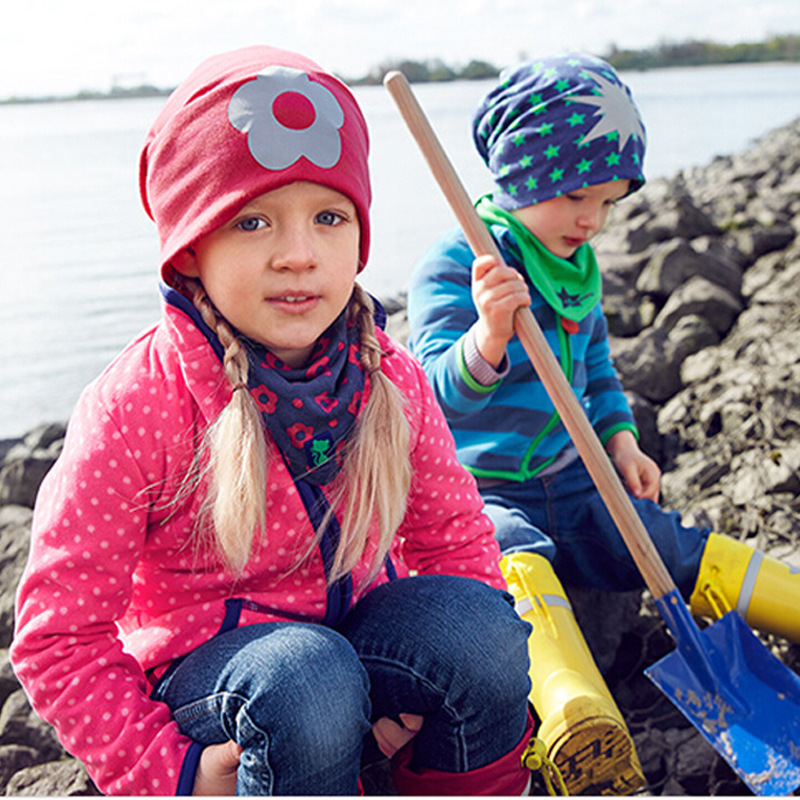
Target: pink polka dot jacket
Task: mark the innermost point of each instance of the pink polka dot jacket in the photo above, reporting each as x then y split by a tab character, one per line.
115	590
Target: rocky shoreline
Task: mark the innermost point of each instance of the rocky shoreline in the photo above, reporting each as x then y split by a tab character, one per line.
700	275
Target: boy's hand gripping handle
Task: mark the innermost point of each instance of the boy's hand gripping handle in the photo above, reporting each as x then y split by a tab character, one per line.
597	462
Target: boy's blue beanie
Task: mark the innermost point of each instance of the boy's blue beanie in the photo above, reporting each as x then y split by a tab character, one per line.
558	124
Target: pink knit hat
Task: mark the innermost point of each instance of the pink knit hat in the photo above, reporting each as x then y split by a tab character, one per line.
244	123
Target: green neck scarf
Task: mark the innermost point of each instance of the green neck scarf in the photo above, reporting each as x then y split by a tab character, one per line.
572	288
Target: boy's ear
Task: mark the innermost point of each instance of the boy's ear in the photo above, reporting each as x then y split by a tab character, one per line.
185	262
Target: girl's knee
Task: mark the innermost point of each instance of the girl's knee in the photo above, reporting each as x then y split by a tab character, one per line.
316	678
306	714
459	633
495	645
471	614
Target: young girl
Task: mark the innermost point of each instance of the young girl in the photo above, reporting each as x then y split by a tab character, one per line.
218	597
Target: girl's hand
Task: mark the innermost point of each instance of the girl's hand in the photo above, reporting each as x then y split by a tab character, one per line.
639	472
392	737
216	772
498	291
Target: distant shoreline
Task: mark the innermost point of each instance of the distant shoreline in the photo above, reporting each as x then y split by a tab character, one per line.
666	55
151	91
114	94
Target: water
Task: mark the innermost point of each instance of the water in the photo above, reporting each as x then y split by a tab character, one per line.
79	253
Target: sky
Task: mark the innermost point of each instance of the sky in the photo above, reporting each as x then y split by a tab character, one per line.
52	47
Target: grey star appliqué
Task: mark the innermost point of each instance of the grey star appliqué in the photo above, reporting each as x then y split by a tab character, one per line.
616	110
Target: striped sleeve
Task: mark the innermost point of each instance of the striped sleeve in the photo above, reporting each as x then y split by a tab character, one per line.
440	311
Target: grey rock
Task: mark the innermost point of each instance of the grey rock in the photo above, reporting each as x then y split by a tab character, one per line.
692	333
66	778
15	524
20	478
759	240
15	757
649	364
27	462
8	680
699	296
20	725
397	325
604	619
673	263
678	217
644	414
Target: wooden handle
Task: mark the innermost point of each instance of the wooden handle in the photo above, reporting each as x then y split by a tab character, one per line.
594	456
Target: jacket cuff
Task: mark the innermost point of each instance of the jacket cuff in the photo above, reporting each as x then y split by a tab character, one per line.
477	366
189	770
614	429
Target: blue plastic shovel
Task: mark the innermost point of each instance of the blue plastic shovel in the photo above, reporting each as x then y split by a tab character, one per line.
743	700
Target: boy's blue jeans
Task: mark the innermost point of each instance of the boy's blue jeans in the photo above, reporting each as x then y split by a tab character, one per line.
563	517
300	698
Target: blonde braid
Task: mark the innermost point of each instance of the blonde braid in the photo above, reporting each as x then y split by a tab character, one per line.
236	449
377	468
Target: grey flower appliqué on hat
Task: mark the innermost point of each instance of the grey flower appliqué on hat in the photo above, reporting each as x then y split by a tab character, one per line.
287	116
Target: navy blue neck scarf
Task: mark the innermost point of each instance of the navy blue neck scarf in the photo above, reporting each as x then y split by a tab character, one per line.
310	411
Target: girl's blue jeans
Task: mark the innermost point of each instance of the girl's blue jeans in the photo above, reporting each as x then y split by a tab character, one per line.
563	517
300	698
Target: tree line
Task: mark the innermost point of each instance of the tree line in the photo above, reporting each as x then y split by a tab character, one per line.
698	53
664	54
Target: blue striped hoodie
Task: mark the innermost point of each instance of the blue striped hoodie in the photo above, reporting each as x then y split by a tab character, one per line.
508	429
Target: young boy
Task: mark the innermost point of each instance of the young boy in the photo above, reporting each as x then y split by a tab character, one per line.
564	142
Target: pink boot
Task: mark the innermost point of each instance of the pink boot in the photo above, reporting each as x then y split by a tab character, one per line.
505	776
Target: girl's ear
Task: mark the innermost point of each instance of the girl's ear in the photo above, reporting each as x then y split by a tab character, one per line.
185	262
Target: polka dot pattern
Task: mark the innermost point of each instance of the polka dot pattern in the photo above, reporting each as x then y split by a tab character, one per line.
116	584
